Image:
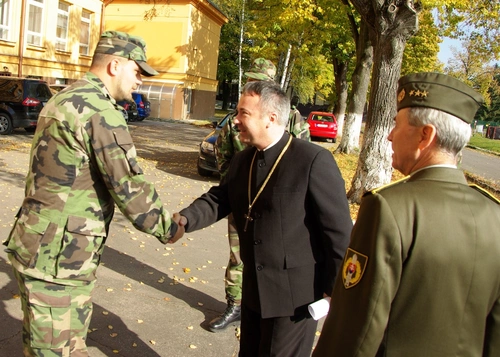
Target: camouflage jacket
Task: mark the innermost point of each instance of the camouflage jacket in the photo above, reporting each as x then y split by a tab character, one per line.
83	162
228	143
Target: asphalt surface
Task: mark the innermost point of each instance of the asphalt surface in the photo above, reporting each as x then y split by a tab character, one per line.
151	299
482	164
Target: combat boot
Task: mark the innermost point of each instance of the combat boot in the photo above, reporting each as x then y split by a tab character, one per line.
229	316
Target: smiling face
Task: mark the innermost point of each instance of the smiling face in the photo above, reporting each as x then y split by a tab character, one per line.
251	122
405	140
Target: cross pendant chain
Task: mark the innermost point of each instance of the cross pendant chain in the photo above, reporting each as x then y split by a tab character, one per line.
247	218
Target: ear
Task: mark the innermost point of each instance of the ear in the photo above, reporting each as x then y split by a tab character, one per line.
273	118
427	136
114	66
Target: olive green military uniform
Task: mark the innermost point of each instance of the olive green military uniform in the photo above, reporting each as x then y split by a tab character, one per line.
83	162
421	276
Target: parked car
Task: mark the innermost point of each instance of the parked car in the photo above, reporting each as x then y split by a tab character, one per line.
207	160
21	100
143	105
131	109
323	125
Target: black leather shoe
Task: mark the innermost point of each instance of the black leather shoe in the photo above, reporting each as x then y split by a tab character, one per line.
232	314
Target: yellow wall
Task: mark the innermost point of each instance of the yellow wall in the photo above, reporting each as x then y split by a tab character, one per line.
45	61
182	41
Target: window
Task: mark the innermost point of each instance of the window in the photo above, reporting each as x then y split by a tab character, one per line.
35	19
85	33
62	26
4	19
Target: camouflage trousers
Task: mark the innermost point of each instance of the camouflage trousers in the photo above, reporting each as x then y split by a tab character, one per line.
234	270
56	317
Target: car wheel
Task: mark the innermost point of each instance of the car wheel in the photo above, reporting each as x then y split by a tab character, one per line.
140	118
203	172
5	124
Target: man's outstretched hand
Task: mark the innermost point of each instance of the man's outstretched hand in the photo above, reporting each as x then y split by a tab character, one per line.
181	223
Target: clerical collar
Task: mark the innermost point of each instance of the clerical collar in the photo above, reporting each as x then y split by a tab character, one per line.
449	166
272	144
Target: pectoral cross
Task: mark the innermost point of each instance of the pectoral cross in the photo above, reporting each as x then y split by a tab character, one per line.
247	218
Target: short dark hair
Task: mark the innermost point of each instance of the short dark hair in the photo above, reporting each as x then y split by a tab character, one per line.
272	98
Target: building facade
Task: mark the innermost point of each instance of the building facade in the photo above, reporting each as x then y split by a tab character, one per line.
54	40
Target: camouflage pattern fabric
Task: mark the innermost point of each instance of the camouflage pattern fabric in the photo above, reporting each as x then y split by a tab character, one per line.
226	146
228	143
56	317
234	270
127	46
298	127
262	70
83	162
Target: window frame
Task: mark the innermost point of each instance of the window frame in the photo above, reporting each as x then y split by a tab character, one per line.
34	38
62	42
5	14
84	47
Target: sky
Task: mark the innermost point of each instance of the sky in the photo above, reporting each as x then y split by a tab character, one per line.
445	49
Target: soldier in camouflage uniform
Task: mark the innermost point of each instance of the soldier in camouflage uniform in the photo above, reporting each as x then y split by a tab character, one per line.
83	162
227	145
297	126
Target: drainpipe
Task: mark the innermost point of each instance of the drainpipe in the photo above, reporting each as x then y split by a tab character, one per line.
21	40
104	4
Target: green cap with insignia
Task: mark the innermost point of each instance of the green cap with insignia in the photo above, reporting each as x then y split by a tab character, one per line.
441	92
124	45
262	70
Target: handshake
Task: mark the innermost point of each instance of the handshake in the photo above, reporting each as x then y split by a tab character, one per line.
181	223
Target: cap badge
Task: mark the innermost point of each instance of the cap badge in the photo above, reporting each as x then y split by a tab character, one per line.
401	95
353	268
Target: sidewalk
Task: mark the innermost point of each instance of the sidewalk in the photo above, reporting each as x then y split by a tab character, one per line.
150	300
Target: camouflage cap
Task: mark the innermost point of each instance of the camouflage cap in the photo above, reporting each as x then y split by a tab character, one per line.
262	70
439	91
124	45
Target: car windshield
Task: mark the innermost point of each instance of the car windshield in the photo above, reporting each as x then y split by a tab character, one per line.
322	118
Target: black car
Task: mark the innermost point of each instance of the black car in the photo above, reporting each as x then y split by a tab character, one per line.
131	109
207	161
21	100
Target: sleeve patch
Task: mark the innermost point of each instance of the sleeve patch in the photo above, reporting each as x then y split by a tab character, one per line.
353	268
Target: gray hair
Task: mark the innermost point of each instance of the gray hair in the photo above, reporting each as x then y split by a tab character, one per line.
452	133
272	99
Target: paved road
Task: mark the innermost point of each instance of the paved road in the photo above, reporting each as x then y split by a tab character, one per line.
481	164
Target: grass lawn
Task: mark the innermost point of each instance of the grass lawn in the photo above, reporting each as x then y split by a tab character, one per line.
478	141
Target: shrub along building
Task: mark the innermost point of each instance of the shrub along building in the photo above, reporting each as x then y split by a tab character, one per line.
57	46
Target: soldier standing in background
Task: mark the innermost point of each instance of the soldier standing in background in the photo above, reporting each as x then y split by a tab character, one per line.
228	143
83	162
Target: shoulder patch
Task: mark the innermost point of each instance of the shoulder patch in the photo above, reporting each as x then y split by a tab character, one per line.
484	192
390	184
353	268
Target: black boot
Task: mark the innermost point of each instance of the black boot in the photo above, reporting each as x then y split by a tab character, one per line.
232	314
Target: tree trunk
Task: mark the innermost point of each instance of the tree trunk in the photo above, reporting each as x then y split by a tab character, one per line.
392	24
341	86
374	165
357	97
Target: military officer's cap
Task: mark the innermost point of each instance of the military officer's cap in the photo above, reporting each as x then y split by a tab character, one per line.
124	45
439	91
262	70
